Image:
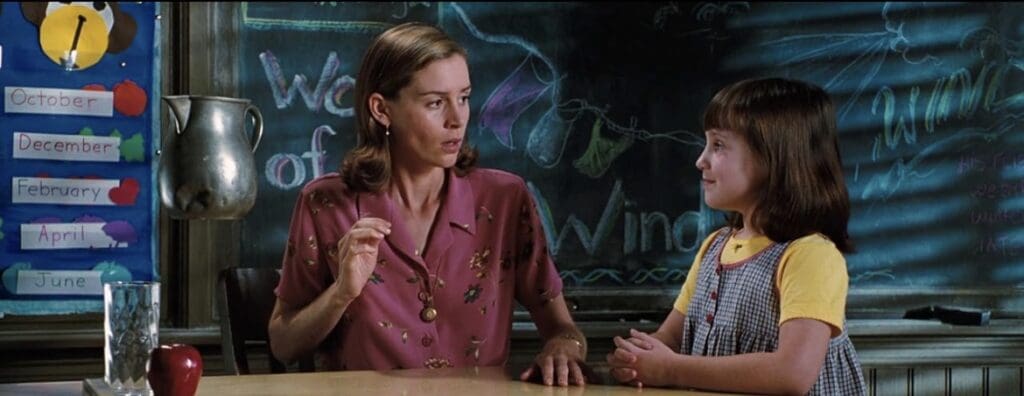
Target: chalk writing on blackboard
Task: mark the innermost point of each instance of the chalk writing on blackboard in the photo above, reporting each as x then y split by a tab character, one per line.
599	108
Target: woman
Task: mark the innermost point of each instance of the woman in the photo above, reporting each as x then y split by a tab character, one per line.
411	257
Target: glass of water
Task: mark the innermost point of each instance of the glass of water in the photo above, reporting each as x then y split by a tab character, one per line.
131	321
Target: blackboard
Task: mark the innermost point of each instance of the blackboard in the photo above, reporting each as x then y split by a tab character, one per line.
604	122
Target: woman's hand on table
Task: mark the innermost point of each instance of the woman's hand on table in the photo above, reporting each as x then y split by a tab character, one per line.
561	363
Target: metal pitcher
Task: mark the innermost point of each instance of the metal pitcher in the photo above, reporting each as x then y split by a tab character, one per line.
207	169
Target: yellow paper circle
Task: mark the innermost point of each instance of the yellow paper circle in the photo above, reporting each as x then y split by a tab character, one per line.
57	34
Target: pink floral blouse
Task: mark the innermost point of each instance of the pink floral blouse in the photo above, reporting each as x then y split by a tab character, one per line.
486	247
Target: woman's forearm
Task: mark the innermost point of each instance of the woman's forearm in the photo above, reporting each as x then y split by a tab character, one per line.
296	332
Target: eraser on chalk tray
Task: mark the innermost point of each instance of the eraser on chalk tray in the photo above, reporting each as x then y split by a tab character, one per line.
951	315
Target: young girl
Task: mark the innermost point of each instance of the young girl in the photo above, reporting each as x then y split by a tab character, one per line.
762	309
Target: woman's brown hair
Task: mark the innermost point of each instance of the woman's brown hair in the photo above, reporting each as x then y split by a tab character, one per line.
388	66
791	129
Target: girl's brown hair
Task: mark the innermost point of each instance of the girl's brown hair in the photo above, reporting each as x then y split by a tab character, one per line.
791	128
388	66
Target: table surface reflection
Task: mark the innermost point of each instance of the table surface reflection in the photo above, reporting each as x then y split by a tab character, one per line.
487	381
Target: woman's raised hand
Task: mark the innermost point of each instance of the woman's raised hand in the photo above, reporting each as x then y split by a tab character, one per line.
357	254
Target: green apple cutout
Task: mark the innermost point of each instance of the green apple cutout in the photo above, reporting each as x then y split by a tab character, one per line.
110	271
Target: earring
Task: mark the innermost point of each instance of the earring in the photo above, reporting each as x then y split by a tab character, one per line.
387	131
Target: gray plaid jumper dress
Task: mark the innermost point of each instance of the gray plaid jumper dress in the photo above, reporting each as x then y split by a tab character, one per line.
735	310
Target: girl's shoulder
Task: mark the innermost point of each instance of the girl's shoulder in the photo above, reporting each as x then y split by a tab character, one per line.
816	249
813	241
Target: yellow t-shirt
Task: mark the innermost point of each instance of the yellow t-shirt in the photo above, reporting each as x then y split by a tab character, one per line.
811	279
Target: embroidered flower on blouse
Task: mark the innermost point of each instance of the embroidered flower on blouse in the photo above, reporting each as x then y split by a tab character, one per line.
313	199
310	262
472	293
311	243
376	279
527	249
474	348
479	259
525	223
436	363
326	202
484	212
385	324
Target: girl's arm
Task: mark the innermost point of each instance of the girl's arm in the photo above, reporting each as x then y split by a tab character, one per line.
792	369
669	335
671	331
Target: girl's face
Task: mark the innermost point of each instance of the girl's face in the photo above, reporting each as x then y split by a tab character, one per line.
730	173
429	116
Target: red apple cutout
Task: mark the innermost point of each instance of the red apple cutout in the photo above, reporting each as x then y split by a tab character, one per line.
124	195
174	370
129	98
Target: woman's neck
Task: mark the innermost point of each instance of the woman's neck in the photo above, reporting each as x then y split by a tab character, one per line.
416	191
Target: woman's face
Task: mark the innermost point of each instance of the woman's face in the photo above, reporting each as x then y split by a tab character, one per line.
429	116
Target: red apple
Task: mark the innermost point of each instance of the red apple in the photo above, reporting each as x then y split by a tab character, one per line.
129	98
174	370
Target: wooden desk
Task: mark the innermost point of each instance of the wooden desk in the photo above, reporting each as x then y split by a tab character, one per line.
487	381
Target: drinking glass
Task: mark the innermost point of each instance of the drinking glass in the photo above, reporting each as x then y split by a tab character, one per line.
131	319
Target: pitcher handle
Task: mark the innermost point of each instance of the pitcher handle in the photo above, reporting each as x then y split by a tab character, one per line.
258	127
